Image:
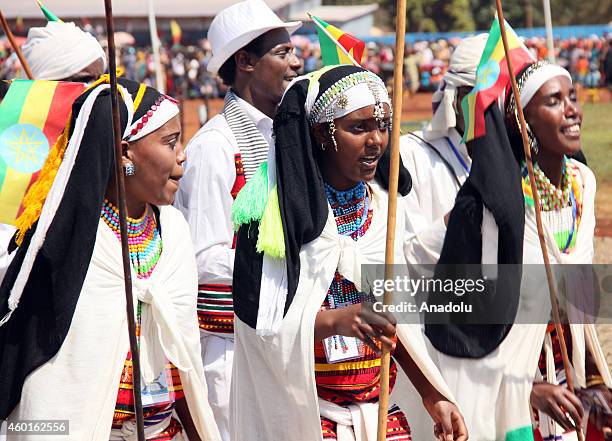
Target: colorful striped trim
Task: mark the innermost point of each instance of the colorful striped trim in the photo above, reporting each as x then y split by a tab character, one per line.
398	428
216	308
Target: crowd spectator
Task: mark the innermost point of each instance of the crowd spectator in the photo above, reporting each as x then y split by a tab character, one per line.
589	60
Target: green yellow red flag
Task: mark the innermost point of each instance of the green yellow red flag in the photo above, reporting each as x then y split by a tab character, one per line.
492	77
337	46
32	116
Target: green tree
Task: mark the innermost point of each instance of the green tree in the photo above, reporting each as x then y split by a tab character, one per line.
433	15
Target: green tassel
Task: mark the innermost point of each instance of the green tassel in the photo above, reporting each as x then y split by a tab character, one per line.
251	200
271	239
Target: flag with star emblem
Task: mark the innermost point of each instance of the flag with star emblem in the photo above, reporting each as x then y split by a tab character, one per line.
492	77
33	114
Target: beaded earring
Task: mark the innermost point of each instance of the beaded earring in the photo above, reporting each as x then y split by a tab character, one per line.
129	169
329	113
323	146
379	107
533	142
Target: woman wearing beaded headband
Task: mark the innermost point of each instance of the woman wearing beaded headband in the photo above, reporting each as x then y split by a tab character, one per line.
64	344
566	189
307	349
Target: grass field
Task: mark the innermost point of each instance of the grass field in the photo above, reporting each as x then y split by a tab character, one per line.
597	145
597	139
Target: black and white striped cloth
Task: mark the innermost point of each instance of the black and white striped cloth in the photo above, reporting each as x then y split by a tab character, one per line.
252	145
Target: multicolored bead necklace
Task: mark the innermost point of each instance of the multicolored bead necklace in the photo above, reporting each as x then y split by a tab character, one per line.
551	197
353	217
561	207
144	241
351	209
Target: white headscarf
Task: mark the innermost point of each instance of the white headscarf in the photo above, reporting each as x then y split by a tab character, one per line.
461	72
537	78
60	50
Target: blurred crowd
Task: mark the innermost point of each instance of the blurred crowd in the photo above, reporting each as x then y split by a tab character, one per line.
589	60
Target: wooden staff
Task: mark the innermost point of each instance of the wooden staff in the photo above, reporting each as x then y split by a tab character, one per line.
16	48
129	301
536	202
398	78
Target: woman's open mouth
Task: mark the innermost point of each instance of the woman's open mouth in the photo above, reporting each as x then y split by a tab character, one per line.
571	131
369	161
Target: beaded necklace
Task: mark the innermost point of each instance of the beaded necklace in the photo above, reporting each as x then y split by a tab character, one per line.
353	217
144	241
351	209
561	207
551	197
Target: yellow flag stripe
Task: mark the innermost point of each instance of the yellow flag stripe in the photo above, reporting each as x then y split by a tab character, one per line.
15	185
37	103
342	58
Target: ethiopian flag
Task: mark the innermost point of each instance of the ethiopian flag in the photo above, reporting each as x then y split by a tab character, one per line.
492	77
32	116
337	46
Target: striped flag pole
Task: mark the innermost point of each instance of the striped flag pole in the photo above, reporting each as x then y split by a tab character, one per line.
536	204
331	37
127	277
398	77
16	48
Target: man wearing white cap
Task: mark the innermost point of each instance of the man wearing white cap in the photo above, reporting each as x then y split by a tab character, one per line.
58	51
253	55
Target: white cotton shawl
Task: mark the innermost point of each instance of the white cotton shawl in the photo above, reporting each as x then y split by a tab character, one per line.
81	381
60	50
582	328
274	394
582	334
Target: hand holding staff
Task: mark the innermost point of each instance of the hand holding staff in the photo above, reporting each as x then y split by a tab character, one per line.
536	202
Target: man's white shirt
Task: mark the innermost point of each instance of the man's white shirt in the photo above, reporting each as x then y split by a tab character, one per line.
204	195
435	183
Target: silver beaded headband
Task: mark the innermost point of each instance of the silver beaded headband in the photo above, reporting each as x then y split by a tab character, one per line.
334	97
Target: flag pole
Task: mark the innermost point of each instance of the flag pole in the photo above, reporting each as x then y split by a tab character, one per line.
536	203
398	77
16	48
549	33
332	38
129	300
159	77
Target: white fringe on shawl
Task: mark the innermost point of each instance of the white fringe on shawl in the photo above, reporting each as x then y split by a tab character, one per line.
81	381
274	395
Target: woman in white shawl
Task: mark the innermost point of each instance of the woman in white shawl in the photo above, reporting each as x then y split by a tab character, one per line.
63	341
307	360
566	189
